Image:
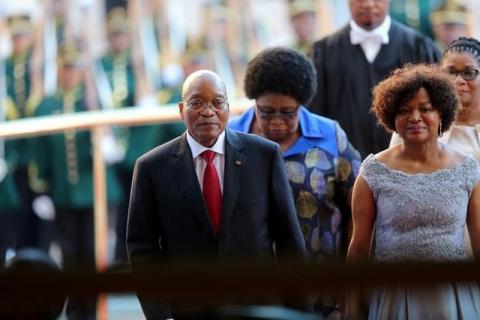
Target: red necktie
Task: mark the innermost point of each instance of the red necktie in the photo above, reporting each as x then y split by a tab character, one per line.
211	190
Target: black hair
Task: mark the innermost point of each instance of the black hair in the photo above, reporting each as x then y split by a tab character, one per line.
463	44
283	71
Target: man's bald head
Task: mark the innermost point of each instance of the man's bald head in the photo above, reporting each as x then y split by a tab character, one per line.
202	75
204	106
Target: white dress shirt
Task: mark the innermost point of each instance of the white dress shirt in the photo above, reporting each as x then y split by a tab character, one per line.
200	163
370	41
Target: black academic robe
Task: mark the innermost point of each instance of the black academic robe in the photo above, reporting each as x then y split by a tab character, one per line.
345	80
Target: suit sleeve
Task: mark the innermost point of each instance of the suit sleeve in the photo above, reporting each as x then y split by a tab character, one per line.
143	230
143	237
289	239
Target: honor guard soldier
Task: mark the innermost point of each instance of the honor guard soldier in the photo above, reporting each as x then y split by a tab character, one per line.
65	173
303	20
449	22
118	67
122	74
33	230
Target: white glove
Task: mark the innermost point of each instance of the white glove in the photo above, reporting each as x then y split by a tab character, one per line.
44	208
112	152
148	102
3	169
172	75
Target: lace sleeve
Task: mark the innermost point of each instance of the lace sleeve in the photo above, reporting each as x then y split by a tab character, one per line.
371	172
472	172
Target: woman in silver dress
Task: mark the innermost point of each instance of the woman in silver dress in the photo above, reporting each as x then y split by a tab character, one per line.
414	199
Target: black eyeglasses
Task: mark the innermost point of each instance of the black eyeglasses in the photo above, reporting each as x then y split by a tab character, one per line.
199	104
467	74
268	114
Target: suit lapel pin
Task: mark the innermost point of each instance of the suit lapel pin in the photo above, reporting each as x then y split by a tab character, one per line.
238	162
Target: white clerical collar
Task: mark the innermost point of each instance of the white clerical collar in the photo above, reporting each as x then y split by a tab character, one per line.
358	34
197	148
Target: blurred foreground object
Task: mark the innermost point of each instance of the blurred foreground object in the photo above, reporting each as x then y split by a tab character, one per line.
36	302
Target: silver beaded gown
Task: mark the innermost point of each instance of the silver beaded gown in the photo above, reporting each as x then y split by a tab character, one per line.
421	217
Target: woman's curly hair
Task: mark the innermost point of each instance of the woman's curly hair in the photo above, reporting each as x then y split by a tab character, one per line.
404	83
283	71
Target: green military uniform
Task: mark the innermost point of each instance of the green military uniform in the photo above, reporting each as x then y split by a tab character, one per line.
64	161
10	204
415	13
452	14
139	139
9	196
119	71
16	151
17	68
63	169
32	230
168	131
18	107
297	8
18	82
135	140
21	106
118	67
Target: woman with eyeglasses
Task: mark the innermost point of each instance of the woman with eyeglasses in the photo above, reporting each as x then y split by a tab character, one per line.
321	163
462	60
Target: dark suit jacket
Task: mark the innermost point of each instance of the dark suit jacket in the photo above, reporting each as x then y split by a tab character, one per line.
168	218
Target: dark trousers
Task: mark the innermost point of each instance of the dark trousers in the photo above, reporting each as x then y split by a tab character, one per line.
125	177
75	234
33	232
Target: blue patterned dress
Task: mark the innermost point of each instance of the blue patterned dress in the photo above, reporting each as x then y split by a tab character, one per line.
321	166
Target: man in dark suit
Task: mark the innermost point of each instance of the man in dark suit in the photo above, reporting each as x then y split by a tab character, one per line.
353	60
179	211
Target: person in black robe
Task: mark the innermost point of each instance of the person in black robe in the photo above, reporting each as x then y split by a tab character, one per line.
347	72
